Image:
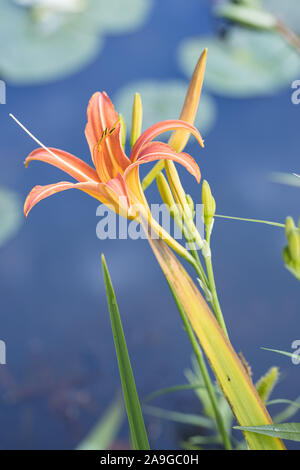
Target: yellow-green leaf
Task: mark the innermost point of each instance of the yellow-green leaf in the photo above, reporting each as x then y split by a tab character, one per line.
230	373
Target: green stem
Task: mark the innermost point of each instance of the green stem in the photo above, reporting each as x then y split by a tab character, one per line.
215	299
267	222
204	372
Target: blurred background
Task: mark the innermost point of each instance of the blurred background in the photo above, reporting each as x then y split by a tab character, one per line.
61	373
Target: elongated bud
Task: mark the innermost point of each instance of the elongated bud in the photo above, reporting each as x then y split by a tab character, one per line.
294	245
286	255
190	202
123	130
137	119
289	225
266	383
180	137
209	203
165	191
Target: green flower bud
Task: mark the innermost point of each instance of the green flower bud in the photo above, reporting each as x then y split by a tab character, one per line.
137	118
123	130
286	255
165	191
294	245
190	202
209	203
289	225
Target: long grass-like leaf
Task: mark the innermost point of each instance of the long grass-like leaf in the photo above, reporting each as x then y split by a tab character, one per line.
289	431
132	403
236	384
175	388
184	418
104	433
284	353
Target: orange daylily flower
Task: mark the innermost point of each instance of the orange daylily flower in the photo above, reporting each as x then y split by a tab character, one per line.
115	179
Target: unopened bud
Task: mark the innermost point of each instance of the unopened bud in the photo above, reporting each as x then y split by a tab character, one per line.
137	119
286	255
289	225
209	203
123	130
294	245
190	202
164	190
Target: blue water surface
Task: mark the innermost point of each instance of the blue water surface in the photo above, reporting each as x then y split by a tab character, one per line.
61	371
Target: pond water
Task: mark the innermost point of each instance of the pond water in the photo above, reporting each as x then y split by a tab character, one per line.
61	371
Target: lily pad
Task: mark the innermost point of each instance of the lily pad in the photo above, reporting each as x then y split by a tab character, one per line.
245	63
163	100
117	16
10	215
33	49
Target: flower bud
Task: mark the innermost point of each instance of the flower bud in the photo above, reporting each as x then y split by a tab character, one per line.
294	245
123	130
286	255
289	225
190	202
209	203
179	138
165	191
137	119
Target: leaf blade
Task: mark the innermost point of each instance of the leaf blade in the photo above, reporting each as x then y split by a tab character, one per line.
132	403
288	431
233	379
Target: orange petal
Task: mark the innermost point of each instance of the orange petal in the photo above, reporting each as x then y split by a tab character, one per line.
38	193
159	128
64	161
114	194
161	151
106	150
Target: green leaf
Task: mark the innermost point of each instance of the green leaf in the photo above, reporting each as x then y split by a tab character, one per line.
10	215
163	100
284	353
289	431
266	383
175	388
252	17
184	418
230	373
132	403
105	432
288	412
243	64
280	401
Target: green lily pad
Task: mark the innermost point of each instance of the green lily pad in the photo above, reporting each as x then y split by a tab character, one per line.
117	16
163	100
29	54
34	50
10	215
245	63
